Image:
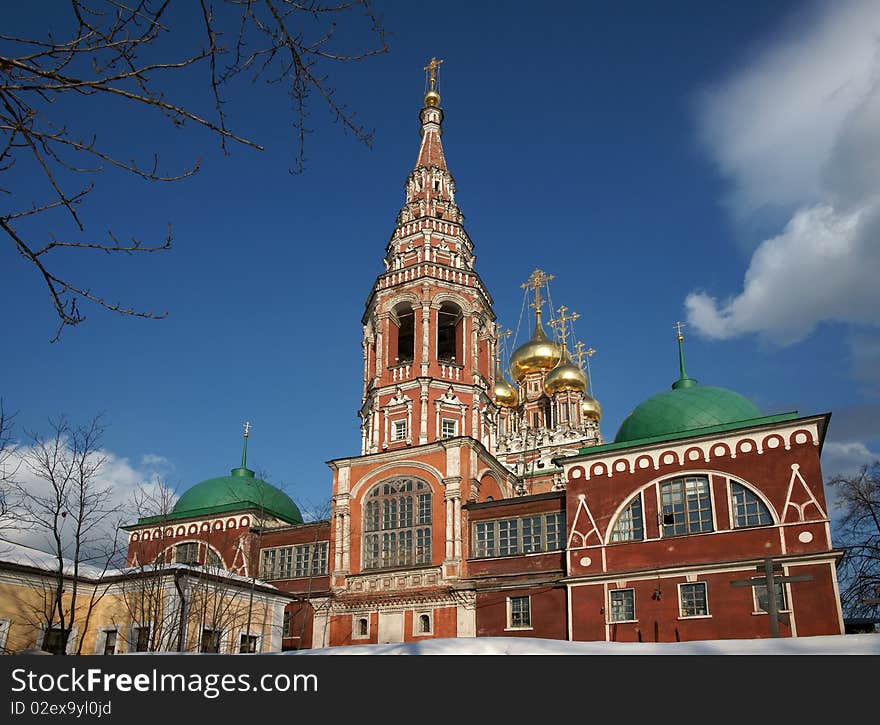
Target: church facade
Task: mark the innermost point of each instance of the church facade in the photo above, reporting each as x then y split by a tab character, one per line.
488	505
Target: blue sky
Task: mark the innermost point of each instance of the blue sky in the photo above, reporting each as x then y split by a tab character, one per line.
705	162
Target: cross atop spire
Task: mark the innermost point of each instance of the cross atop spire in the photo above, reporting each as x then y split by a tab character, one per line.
247	432
536	280
559	324
683	381
431	73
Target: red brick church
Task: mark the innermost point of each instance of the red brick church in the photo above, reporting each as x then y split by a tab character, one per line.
488	505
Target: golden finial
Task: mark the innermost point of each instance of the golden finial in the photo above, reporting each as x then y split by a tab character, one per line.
536	280
678	326
580	354
432	97
559	323
507	333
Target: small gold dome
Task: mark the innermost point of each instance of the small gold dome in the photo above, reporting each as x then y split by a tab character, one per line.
591	409
539	354
565	376
432	99
504	394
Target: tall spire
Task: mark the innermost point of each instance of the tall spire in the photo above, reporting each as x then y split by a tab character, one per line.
431	150
536	280
243	470
683	381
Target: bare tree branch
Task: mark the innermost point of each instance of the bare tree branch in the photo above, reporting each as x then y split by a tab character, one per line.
114	52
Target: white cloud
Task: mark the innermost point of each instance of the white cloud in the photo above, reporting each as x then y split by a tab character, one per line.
845	458
799	129
116	473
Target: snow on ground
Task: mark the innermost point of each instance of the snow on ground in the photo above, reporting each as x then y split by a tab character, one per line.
848	644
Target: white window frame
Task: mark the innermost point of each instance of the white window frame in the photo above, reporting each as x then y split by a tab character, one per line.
250	633
355	626
399	430
221	640
443	423
518	628
681	614
417	620
786	600
101	639
610	617
70	648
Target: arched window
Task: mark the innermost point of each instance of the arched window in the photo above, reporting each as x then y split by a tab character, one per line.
402	342
748	509
424	624
397	524
363	627
449	333
630	525
686	506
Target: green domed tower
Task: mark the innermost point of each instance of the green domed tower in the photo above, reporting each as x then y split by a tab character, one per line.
241	490
688	406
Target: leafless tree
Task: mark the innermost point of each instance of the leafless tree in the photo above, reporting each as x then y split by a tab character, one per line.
63	498
857	530
8	466
136	54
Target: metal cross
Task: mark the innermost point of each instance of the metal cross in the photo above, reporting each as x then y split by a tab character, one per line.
770	580
431	69
678	326
247	428
559	323
536	280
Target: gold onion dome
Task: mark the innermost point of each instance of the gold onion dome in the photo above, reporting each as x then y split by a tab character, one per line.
590	409
504	393
538	355
432	99
565	376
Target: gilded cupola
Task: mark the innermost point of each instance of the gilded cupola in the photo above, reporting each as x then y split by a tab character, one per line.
565	376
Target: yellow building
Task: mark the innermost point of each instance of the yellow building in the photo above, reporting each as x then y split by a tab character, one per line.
157	608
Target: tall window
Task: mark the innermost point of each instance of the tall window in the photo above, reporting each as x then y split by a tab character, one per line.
210	640
629	526
449	333
519	613
141	639
110	642
247	643
748	509
449	428
692	599
404	320
521	535
397	524
623	605
686	506
398	430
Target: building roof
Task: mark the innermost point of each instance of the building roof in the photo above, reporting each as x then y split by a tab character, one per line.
238	491
683	409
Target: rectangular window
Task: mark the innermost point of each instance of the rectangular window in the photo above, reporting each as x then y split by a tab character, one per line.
761	602
692	599
210	640
521	535
187	553
398	430
290	562
285	626
247	643
449	428
622	605
54	641
686	506
110	642
141	637
519	613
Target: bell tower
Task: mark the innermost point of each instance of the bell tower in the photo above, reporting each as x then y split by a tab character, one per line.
429	333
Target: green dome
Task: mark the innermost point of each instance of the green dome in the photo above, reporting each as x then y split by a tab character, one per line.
240	490
685	407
